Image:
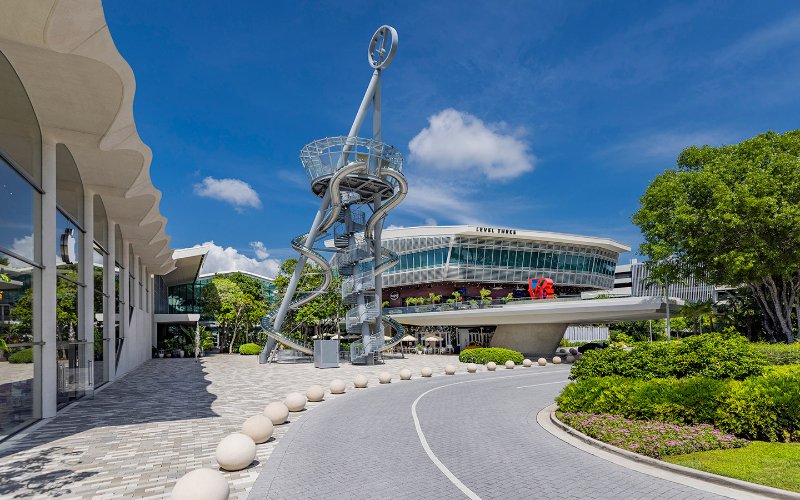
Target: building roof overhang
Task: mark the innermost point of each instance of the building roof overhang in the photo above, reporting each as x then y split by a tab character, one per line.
188	262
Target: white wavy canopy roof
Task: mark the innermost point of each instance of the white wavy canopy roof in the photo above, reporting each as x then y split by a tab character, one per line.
82	91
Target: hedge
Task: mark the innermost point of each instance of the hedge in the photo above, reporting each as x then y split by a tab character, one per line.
485	354
23	356
249	349
779	354
762	407
712	355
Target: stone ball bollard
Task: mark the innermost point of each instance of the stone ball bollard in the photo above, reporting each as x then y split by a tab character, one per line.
573	350
201	484
472	368
259	428
541	362
491	366
277	412
579	355
295	401
510	365
527	363
360	381
405	374
556	360
235	451
570	358
426	372
385	378
315	393
449	370
337	386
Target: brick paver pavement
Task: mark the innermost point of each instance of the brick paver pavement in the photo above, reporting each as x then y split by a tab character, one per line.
482	428
144	431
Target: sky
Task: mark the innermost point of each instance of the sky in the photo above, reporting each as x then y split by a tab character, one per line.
533	115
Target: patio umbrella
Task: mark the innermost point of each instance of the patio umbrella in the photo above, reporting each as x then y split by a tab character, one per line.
409	338
386	337
432	339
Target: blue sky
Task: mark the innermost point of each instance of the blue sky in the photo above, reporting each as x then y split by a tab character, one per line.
535	115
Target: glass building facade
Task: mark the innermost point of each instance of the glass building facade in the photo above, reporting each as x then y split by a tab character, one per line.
186	298
472	258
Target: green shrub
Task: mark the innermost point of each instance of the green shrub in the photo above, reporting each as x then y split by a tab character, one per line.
779	354
761	407
712	355
23	356
249	349
485	354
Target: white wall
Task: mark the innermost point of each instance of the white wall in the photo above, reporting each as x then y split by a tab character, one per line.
137	347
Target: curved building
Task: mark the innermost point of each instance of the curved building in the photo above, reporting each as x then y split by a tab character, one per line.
444	259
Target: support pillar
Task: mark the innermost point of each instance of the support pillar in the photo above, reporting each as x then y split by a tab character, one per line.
45	307
109	307
532	340
86	319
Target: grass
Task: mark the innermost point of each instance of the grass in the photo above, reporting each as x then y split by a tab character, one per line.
770	464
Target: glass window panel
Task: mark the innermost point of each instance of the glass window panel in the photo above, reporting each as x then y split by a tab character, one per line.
17	199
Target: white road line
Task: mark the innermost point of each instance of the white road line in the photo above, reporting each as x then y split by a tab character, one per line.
546	383
438	463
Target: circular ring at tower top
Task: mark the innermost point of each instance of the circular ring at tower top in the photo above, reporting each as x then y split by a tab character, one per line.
382	47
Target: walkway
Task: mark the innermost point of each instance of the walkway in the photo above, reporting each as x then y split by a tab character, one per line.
144	431
481	429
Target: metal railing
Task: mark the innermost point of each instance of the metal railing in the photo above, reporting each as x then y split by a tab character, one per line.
478	304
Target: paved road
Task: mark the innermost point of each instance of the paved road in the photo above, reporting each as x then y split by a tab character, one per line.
482	437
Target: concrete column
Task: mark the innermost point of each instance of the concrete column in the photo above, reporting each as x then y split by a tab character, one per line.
124	284
532	340
44	312
109	314
86	265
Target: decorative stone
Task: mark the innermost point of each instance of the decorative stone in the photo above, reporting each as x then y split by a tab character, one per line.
315	393
405	374
295	401
259	428
472	368
510	365
337	386
556	360
449	370
385	378
573	350
201	484
277	411
426	372
527	363
360	381
235	451
541	362
570	358
579	355
491	366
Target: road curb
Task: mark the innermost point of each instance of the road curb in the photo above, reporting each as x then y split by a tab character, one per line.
737	484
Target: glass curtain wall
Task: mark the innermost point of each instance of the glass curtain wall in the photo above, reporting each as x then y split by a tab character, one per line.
19	195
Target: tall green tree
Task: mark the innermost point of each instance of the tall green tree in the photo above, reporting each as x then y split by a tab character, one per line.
733	212
235	304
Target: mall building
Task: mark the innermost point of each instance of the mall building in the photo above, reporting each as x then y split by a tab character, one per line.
81	235
445	259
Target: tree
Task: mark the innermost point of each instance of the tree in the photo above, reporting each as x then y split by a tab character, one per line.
235	309
733	213
663	271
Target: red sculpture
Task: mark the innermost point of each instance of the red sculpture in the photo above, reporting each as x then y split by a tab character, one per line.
540	288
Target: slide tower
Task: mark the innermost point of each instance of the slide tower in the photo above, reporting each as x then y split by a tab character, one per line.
359	180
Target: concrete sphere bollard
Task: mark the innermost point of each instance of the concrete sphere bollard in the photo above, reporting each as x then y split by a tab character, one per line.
235	451
201	484
405	374
579	355
556	360
527	363
259	428
337	386
570	358
315	393
426	372
573	350
449	370
295	401
541	362
277	412
510	365
491	366
360	381
472	368
385	378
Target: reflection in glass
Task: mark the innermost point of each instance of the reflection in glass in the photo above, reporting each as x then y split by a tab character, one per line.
99	302
16	329
16	212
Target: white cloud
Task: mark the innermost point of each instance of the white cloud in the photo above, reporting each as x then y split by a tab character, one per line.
458	141
234	191
220	260
430	221
259	249
666	146
767	39
23	246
